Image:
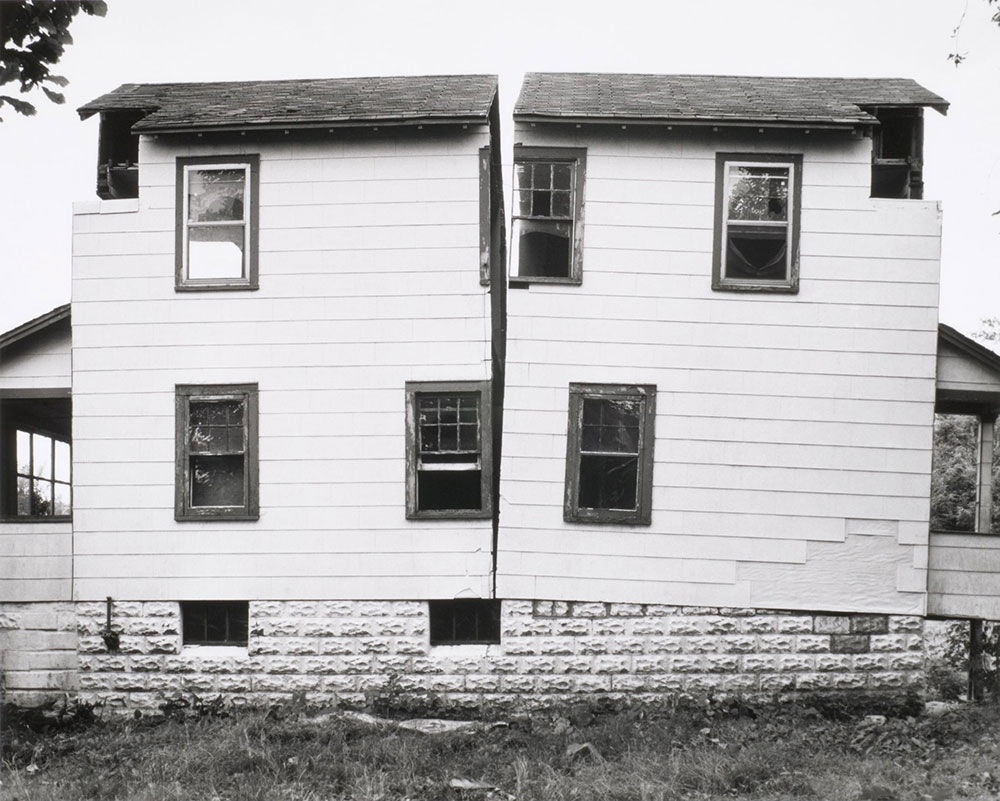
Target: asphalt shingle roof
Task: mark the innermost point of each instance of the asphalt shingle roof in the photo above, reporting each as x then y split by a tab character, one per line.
295	103
711	98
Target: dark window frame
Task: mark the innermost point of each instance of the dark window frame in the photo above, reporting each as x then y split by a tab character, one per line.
646	395
443	614
11	513
250	281
790	283
414	391
577	157
184	510
235	617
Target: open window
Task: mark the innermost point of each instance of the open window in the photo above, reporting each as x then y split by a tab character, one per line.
217	210
547	237
897	153
448	450
35	459
216	471
758	202
609	453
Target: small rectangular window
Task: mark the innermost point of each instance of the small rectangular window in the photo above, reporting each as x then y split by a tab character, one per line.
757	222
448	450
454	622
214	622
547	242
609	461
216	471
217	203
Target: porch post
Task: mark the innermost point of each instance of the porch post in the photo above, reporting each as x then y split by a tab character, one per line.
984	485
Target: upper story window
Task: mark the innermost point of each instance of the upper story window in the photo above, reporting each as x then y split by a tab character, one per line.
448	450
609	453
217	209
216	471
758	202
547	244
35	459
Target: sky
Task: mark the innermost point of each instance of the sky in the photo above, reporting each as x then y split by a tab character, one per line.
48	161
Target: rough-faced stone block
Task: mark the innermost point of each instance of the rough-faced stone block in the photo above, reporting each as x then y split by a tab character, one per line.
661	610
302	609
337	684
539	664
335	646
906	661
665	645
849	643
283	664
198	682
513	683
738	643
740	683
302	646
626	610
541	608
592	684
577	664
887	681
629	683
374	608
410	646
887	642
812	643
571	627
650	664
391	665
759	624
516	608
848	681
368	645
721	663
721	624
906	623
831	624
701	645
357	664
665	682
704	684
827	663
758	663
424	665
482	683
685	664
264	609
526	646
776	643
794	663
609	627
556	646
589	610
238	683
611	664
869	624
626	645
554	683
795	624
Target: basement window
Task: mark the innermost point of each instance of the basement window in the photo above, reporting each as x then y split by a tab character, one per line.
465	621
214	622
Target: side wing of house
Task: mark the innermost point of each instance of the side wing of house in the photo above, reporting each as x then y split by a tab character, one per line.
35	444
725	396
964	567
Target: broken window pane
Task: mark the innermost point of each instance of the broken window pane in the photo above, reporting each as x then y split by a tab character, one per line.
217	480
758	193
543	249
438	490
216	195
215	252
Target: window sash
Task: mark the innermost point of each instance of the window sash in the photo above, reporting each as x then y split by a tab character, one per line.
243	224
42	483
731	178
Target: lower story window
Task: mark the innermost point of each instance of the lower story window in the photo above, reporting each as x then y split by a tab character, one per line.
35	463
609	459
468	620
214	622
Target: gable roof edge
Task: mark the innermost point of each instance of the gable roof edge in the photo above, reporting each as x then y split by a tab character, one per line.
969	347
38	324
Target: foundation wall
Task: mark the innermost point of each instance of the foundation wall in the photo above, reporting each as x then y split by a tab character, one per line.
550	652
38	651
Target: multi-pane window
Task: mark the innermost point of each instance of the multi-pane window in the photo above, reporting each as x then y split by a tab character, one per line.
548	215
448	450
43	475
757	223
216	232
217	451
466	620
609	463
214	622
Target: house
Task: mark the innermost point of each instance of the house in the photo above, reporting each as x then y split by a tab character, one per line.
314	450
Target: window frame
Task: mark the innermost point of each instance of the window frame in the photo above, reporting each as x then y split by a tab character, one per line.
10	512
642	514
414	391
251	213
184	510
227	607
577	157
720	281
484	609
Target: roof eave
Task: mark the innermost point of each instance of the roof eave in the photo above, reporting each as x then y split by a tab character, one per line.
35	326
573	119
372	122
970	347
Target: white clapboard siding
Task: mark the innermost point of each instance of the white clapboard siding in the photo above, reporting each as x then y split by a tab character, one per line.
369	274
44	362
36	561
964	576
781	420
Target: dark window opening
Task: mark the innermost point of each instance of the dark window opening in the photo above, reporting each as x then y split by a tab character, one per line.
548	214
897	153
217	451
118	154
756	254
35	459
609	461
214	622
448	450
465	621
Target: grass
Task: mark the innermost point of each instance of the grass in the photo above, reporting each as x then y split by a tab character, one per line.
695	751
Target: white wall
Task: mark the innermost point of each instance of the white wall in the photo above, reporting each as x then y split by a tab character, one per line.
793	432
369	277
